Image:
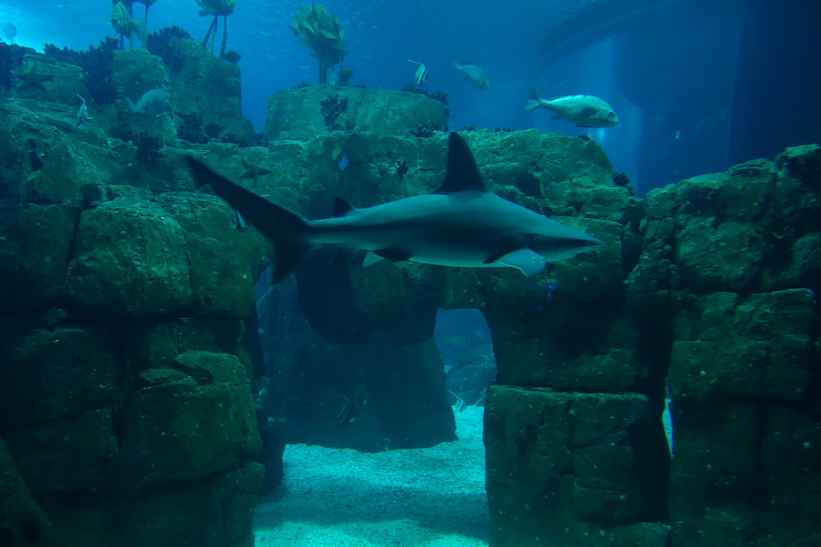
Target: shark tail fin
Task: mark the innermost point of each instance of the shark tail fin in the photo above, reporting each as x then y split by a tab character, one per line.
535	100
287	230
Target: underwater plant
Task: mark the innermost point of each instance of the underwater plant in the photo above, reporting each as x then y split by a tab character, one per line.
98	67
323	33
157	44
216	8
344	76
331	109
147	4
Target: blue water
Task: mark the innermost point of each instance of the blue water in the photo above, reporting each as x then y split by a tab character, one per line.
690	90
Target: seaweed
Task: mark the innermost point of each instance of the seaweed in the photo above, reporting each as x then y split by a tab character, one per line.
97	65
191	129
11	58
332	108
439	95
158	44
344	76
427	130
148	148
621	179
323	33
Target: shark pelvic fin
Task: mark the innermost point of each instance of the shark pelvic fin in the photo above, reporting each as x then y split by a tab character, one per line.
528	261
462	174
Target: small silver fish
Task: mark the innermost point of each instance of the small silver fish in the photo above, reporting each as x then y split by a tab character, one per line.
237	222
346	416
343	162
421	74
476	75
582	110
82	113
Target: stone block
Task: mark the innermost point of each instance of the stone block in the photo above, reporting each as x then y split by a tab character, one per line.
569	469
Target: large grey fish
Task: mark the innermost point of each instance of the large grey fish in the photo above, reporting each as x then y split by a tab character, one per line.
583	110
476	74
462	223
153	103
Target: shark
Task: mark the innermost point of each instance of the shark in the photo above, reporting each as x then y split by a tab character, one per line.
461	224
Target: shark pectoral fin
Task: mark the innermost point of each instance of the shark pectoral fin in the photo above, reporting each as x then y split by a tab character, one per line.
371	258
397	256
529	262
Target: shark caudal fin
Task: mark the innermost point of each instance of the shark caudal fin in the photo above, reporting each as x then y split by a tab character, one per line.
286	229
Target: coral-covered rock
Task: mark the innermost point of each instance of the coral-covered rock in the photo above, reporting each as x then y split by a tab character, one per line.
188	422
317	110
22	521
576	463
207	88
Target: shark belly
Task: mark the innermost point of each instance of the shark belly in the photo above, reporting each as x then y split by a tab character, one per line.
432	229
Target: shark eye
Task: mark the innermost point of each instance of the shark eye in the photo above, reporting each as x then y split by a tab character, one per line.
611	114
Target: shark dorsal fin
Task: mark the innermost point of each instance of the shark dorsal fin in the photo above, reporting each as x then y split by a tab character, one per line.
341	207
462	174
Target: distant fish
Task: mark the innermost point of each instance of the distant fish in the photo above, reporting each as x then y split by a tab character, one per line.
346	415
476	75
460	403
343	162
667	415
421	74
457	341
82	113
582	110
10	31
237	222
360	396
152	103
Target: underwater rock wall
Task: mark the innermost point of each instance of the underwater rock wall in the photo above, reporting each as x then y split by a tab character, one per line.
128	343
732	264
128	335
714	288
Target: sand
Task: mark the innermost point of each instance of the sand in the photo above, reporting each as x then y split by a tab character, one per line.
344	498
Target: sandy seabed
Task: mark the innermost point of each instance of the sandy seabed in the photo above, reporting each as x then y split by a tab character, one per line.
432	497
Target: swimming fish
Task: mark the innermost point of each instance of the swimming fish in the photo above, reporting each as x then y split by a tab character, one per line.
461	224
476	75
152	103
82	113
346	415
421	74
237	222
582	110
10	30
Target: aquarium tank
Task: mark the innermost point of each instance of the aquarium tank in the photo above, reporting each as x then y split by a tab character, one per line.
538	273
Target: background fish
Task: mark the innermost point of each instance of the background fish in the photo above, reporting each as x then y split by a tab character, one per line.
10	31
421	74
583	110
477	76
152	103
